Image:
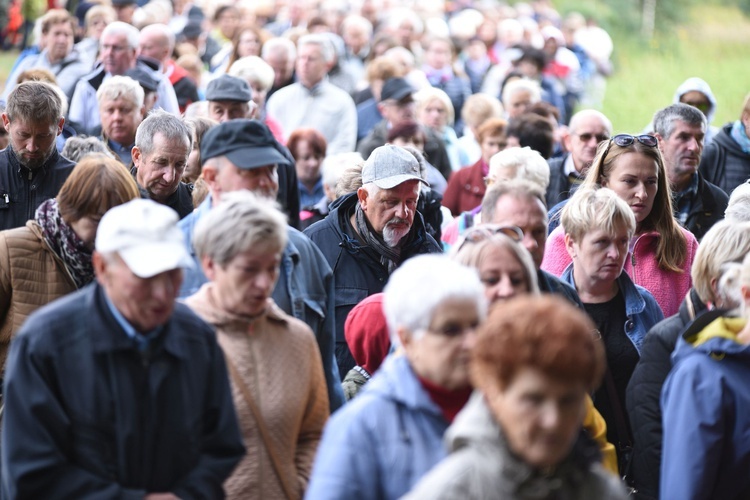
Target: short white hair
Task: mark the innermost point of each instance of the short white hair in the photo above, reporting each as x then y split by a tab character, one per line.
525	164
121	87
421	285
253	69
738	208
522	84
130	32
335	165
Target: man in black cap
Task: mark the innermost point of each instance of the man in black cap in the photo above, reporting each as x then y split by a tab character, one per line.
243	154
229	98
397	106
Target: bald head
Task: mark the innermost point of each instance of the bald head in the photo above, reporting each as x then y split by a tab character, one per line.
157	42
586	130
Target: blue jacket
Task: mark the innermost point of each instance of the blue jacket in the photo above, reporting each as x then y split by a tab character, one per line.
304	290
88	414
641	309
357	268
381	443
706	413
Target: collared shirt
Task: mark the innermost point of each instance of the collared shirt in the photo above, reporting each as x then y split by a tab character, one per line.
141	340
122	151
682	202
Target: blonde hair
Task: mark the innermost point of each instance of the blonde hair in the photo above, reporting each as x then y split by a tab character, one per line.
590	209
525	163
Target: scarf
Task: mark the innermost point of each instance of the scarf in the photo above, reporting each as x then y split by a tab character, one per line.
389	256
65	243
740	136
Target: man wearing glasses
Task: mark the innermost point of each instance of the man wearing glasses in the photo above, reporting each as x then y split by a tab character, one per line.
586	130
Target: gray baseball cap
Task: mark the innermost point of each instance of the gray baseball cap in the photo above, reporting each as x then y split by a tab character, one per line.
389	165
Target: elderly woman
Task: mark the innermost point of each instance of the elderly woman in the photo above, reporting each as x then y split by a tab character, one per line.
533	364
727	242
466	187
273	360
259	75
51	255
380	444
598	227
705	400
660	251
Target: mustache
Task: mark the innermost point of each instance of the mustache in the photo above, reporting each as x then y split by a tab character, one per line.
397	220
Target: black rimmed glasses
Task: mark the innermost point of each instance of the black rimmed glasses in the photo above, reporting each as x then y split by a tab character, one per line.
487	231
587	136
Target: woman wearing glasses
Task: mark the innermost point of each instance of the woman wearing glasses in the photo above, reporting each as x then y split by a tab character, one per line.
598	228
660	253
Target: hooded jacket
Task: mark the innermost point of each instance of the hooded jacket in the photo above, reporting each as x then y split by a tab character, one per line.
724	163
700	85
481	466
706	403
380	444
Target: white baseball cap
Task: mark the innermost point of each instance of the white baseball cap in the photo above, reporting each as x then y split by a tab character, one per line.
145	235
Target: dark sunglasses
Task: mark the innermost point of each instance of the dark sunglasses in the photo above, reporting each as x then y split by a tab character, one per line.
701	105
625	140
586	137
480	233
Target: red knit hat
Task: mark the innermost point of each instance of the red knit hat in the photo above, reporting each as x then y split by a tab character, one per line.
366	333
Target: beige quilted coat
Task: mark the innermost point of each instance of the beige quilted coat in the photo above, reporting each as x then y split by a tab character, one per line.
31	275
278	358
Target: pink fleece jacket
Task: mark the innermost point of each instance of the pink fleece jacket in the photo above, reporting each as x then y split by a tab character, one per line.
667	287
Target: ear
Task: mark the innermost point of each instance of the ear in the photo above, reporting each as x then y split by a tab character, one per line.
135	153
745	290
565	139
209	268
60	125
143	110
6	122
570	246
661	141
362	195
404	336
100	267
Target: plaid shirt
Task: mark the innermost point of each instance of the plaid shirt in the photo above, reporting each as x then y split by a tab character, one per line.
682	202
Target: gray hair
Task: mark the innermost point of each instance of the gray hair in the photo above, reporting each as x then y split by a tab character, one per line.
521	84
277	45
525	164
334	166
35	102
664	119
350	180
421	285
130	32
78	146
355	20
738	208
171	127
726	242
241	222
253	69
322	41
518	188
121	87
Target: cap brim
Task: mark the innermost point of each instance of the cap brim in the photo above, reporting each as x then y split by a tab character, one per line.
393	181
149	259
400	94
255	157
228	97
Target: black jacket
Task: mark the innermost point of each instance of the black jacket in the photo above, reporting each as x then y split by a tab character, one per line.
724	163
23	190
88	414
181	201
357	270
644	394
708	208
560	188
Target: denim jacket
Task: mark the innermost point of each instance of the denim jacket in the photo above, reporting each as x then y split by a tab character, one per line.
641	309
304	290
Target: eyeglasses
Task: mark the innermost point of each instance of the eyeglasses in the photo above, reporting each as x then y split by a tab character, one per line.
587	136
625	140
480	233
703	106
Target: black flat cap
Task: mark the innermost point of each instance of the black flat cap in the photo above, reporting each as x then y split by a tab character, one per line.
145	78
395	88
193	28
248	144
228	88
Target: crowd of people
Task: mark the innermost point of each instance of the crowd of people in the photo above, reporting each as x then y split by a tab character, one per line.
328	249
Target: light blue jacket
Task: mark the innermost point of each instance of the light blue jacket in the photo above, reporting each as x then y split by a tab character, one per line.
304	290
641	309
380	444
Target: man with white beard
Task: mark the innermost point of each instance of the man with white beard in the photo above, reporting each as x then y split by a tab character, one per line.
368	234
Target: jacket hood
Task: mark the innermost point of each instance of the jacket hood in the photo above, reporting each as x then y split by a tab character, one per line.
713	333
701	86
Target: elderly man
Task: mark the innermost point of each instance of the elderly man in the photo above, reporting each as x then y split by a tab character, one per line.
157	42
58	55
162	145
281	54
131	396
397	107
587	129
520	203
121	108
242	154
229	98
31	169
371	232
118	53
697	204
315	102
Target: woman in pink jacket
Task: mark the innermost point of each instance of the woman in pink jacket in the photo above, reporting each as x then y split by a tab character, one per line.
661	252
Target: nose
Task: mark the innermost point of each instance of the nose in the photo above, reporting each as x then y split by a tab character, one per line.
640	191
613	252
529	242
170	175
402	211
162	289
550	416
503	289
32	145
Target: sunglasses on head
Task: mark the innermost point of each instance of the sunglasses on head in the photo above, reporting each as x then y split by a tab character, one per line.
480	233
625	140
